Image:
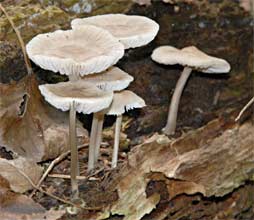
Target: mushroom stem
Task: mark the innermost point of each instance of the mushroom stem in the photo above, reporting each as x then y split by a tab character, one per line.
98	136
74	77
92	142
116	141
74	150
173	108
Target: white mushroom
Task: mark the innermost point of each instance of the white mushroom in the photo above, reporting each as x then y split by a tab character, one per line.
122	102
113	79
75	53
191	58
75	96
132	30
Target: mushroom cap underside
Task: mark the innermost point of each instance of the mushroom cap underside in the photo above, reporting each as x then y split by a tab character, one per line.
113	79
124	101
82	51
87	97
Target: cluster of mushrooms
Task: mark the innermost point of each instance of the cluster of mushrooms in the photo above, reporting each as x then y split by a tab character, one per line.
86	54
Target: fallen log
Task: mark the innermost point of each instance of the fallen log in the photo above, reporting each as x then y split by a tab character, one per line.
209	163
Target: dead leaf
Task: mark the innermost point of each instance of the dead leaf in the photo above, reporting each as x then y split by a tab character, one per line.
10	170
29	126
14	206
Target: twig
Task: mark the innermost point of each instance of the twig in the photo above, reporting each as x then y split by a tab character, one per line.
21	42
52	164
53	196
244	109
64	176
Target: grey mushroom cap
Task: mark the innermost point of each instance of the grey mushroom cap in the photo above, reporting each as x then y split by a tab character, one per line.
191	57
82	51
113	79
88	98
131	30
124	101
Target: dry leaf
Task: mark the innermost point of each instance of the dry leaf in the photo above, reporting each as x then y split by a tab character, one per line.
29	126
12	170
14	206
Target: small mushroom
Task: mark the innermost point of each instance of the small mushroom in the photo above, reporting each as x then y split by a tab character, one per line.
75	96
122	102
75	53
191	58
131	30
113	79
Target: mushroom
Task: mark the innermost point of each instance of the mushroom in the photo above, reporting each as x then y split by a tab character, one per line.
131	30
191	58
122	102
113	79
75	53
75	96
84	50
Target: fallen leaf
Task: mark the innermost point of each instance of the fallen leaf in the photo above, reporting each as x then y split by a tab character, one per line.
14	206
12	170
31	127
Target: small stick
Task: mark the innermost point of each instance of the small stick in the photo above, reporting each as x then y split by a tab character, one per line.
244	109
47	193
55	197
55	162
51	166
21	42
63	176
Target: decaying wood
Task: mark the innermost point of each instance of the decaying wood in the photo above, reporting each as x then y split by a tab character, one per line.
211	161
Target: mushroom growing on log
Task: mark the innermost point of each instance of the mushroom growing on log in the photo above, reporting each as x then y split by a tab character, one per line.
192	59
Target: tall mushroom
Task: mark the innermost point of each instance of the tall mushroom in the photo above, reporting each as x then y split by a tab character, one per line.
191	58
122	102
75	53
113	79
75	96
131	30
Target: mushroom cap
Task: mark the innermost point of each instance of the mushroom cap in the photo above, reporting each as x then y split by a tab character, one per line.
88	98
113	79
132	30
124	101
82	51
191	57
